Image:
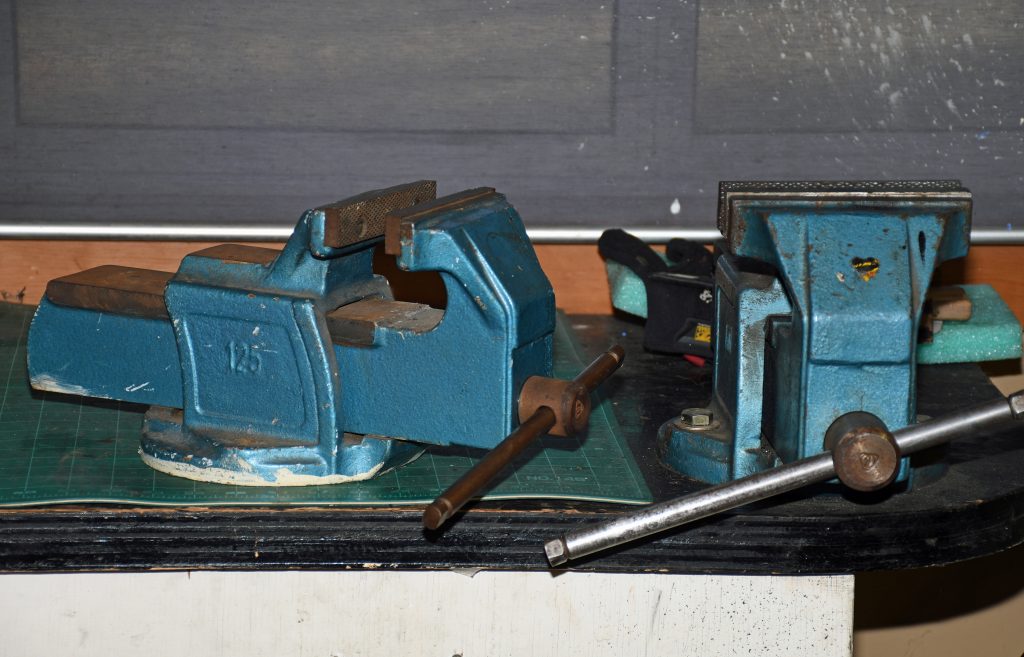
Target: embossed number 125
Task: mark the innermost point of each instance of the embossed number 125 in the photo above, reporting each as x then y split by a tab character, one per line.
241	358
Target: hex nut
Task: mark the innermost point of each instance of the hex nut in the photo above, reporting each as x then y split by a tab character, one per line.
697	418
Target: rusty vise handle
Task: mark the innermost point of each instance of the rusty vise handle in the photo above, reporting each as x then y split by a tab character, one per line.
546	405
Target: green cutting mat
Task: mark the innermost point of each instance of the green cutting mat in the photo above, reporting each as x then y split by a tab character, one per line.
66	449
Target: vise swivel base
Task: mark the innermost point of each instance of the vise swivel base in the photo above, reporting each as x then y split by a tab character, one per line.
818	298
295	367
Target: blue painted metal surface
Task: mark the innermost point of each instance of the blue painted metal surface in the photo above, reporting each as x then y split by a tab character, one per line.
834	330
732	447
82	352
496	333
248	386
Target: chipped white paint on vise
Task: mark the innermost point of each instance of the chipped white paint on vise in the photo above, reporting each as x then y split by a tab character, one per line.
47	383
136	388
286	477
247	476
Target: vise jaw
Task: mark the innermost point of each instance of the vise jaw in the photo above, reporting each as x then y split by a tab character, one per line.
298	366
818	299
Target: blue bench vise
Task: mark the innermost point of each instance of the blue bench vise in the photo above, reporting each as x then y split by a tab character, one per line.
295	367
818	296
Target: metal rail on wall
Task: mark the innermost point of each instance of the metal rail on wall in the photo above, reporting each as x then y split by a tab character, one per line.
273	233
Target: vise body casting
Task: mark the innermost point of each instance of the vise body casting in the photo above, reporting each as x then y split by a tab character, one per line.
298	366
818	297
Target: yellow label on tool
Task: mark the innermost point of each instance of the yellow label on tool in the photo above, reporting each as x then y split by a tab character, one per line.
703	333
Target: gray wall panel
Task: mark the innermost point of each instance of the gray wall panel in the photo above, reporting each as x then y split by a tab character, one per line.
873	66
584	113
315	66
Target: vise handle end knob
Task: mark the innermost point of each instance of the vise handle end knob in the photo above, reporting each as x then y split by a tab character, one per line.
546	405
864	452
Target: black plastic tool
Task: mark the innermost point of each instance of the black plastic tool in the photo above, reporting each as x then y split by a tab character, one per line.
680	293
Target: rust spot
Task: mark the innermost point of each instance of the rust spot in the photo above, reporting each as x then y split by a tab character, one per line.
238	254
399	223
109	288
356	323
866	268
363	217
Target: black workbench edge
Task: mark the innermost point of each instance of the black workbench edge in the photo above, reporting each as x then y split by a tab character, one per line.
98	539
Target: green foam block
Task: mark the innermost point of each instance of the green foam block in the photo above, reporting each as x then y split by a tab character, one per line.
992	332
628	292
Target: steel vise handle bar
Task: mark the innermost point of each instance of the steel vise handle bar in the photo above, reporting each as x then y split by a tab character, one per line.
816	469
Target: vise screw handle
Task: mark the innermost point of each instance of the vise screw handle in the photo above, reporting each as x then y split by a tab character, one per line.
791	476
549	406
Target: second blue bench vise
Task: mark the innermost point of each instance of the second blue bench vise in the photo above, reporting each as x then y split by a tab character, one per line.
818	302
297	366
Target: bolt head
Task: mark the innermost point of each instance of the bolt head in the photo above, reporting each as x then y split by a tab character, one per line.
1017	404
697	418
555	551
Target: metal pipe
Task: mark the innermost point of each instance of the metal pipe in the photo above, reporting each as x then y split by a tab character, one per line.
169	232
956	425
708	502
732	494
279	233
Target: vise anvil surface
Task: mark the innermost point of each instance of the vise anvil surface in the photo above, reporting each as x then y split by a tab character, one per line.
298	366
818	299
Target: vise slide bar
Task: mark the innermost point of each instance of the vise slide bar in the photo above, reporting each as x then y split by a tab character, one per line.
295	367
